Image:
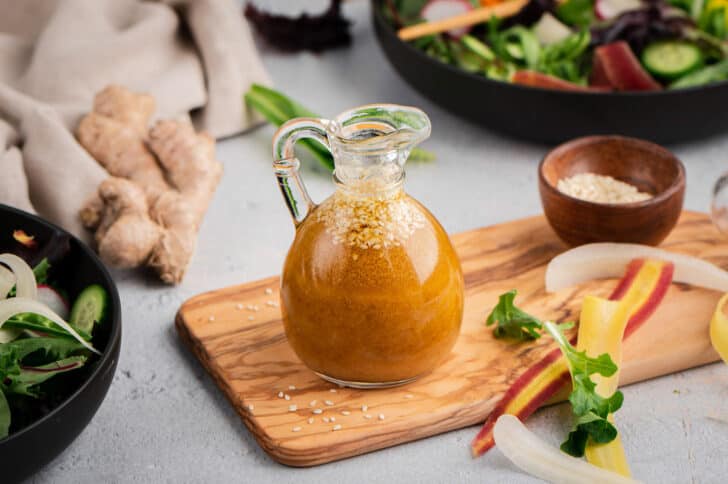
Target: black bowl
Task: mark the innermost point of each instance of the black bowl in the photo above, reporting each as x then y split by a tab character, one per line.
28	449
551	116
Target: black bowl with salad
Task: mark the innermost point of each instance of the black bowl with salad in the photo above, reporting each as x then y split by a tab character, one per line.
59	340
553	70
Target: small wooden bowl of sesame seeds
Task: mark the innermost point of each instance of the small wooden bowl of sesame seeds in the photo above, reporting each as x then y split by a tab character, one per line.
611	189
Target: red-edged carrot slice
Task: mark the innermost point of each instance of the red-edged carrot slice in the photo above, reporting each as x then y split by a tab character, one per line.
538	79
643	285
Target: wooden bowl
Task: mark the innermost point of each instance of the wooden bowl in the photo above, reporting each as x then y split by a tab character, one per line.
649	167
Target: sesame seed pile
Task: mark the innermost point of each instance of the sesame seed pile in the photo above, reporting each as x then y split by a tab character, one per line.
601	189
374	222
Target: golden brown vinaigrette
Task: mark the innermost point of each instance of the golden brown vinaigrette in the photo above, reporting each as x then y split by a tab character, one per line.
359	309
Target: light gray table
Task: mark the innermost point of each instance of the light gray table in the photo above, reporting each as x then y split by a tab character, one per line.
165	421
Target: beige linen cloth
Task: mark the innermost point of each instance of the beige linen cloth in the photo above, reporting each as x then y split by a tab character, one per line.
193	56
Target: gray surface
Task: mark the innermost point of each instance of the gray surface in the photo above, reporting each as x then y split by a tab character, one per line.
165	421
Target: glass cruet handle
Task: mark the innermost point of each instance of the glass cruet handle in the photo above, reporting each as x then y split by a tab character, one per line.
287	166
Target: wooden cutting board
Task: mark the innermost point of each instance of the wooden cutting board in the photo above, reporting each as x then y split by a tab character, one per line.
246	352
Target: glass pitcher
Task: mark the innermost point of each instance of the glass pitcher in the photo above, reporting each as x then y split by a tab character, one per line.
371	289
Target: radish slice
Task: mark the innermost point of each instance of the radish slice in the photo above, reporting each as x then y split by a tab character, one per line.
441	9
17	305
608	9
602	260
55	302
533	455
7	281
549	29
24	277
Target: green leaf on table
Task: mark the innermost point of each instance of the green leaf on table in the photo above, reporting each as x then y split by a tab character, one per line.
512	322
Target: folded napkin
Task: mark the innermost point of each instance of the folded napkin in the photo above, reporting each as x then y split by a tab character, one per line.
195	57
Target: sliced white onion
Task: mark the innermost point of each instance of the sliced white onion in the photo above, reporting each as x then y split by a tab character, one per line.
55	302
24	277
8	335
602	260
7	281
533	455
609	9
17	305
549	29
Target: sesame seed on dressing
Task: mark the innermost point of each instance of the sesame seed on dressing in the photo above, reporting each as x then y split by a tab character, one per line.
345	412
325	419
332	390
292	408
291	387
364	408
268	290
328	402
280	394
312	403
381	416
336	427
310	420
211	318
317	411
370	222
287	396
367	416
409	396
296	429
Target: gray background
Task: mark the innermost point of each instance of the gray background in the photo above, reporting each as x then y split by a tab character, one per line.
165	421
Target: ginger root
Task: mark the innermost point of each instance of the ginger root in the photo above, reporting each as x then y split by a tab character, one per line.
162	180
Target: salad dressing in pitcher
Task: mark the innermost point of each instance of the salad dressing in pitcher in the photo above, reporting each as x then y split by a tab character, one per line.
371	290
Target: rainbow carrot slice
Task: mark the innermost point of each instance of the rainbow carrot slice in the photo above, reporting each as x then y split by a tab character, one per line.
642	285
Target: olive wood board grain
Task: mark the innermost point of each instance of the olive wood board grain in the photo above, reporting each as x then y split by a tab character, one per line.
246	351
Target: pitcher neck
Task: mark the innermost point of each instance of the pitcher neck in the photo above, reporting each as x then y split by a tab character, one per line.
375	187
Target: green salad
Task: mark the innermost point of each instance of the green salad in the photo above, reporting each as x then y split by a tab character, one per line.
43	337
584	45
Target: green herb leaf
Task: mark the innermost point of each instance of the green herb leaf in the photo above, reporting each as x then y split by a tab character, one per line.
567	59
576	12
511	321
4	416
41	271
590	408
41	274
25	382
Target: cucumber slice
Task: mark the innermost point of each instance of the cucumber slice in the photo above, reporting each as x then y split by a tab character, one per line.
89	308
672	59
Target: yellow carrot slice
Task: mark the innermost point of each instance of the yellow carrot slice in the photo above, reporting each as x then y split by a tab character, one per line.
601	327
719	329
642	286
